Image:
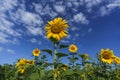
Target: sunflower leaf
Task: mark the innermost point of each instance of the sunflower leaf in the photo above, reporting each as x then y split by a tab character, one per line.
61	55
63	46
48	51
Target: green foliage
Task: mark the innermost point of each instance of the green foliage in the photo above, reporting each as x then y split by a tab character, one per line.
48	51
60	55
63	46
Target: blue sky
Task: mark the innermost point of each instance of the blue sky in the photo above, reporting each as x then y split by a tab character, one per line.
93	25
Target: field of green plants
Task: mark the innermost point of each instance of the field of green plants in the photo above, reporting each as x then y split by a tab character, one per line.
80	66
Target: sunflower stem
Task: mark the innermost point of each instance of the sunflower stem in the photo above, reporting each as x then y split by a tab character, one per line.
73	61
55	61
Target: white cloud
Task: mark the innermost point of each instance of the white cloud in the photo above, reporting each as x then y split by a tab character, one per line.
28	22
76	3
47	10
1	49
77	34
107	9
3	37
65	41
60	8
90	4
10	51
35	31
7	5
33	40
17	14
6	25
69	4
104	11
75	28
31	18
90	29
80	17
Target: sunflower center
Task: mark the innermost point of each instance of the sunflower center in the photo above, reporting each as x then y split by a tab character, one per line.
106	56
72	48
56	29
36	52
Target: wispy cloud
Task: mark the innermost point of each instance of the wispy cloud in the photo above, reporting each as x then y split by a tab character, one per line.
1	49
60	8
90	30
17	15
17	20
90	4
44	10
107	9
35	41
10	51
80	18
35	31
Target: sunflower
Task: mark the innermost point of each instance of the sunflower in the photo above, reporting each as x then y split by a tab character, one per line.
73	48
64	67
117	60
21	62
88	66
56	29
107	56
86	56
36	52
21	70
30	62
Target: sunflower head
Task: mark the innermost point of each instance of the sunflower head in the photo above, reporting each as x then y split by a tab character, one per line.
88	66
86	56
30	62
107	56
56	28
21	70
57	72
21	62
117	60
64	67
73	48
36	52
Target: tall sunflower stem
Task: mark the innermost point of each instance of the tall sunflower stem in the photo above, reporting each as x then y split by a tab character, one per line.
73	61
55	61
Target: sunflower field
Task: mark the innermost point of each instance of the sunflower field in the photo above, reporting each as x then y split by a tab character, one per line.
80	66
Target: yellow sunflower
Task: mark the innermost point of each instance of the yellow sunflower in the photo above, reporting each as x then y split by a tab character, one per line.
21	70
86	56
36	52
64	67
88	66
30	62
117	60
56	29
73	48
21	62
107	56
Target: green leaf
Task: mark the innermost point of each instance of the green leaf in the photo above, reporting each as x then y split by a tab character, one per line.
63	46
61	55
43	57
69	72
55	41
76	58
73	59
48	51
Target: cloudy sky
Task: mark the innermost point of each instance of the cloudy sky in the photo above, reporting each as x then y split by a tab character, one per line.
93	25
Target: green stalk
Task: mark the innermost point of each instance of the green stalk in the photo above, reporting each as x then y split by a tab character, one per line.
73	60
55	61
84	76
